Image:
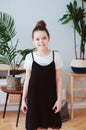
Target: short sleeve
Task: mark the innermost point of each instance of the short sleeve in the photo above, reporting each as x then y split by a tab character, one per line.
28	61
58	60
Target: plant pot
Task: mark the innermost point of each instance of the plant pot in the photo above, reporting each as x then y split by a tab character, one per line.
13	83
78	66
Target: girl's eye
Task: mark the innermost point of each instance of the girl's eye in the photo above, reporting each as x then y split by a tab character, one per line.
37	39
44	38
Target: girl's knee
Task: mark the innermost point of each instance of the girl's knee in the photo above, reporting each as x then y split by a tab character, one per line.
52	129
39	128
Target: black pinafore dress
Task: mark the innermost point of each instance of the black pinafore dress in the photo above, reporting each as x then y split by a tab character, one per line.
42	97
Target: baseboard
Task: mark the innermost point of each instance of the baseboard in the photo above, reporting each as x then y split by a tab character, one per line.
10	107
14	107
77	106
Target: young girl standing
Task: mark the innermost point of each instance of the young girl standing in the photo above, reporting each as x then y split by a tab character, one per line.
42	92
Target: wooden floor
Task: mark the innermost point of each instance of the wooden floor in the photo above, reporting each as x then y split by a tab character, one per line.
78	123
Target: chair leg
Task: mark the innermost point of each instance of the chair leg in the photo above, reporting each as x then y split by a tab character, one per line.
5	105
19	110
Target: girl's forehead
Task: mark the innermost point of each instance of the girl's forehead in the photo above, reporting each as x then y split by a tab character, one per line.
40	33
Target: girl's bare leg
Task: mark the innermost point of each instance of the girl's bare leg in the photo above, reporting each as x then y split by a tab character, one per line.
52	129
39	129
47	129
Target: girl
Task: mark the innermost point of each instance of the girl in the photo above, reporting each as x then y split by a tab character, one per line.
42	92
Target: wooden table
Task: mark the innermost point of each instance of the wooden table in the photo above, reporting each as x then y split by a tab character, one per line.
4	89
76	90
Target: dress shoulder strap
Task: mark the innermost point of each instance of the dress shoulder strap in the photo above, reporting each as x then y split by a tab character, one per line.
53	54
32	56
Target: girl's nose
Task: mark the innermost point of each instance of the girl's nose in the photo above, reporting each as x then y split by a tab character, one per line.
41	40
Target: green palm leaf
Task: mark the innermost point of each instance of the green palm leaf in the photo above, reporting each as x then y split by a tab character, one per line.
7	28
8	50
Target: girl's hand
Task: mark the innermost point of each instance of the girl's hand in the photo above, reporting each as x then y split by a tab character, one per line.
57	106
24	107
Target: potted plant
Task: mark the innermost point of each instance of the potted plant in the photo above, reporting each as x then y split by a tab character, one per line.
76	14
9	54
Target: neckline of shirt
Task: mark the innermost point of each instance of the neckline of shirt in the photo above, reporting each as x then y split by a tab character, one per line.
34	53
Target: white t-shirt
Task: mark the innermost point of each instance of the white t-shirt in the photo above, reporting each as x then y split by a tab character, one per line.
43	60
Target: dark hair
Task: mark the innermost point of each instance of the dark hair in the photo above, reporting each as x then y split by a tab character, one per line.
40	26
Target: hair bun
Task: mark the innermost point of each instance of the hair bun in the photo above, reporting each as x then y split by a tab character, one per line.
41	23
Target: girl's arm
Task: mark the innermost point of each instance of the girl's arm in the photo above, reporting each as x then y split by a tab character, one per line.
57	105
25	91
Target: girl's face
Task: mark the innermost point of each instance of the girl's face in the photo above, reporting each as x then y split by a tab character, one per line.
41	39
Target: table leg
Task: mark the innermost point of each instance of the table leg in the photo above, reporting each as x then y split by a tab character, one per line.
5	105
19	110
72	114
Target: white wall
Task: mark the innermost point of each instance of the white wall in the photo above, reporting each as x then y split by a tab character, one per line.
26	13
